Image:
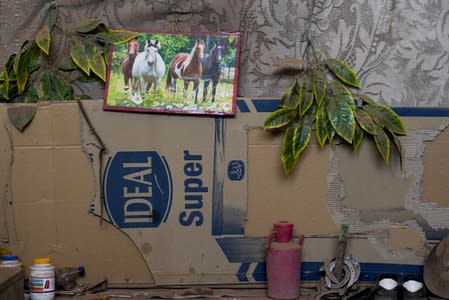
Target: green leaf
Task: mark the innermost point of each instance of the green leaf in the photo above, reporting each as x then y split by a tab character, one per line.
311	113
287	156
366	99
43	39
68	66
33	53
365	121
22	73
301	138
290	99
25	63
341	116
5	86
319	86
9	65
343	72
358	137
116	36
16	63
280	118
47	89
306	96
88	26
79	57
31	95
336	89
383	144
11	92
320	126
398	144
97	64
63	89
385	117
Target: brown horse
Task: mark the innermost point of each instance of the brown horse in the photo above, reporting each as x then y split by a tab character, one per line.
127	65
188	67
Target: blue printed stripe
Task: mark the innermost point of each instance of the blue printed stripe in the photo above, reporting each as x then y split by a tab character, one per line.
265	105
241	104
241	273
269	105
241	250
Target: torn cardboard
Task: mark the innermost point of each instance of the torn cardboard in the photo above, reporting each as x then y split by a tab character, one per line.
191	199
51	186
213	187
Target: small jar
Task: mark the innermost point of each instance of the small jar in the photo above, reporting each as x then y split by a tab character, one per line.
10	261
42	279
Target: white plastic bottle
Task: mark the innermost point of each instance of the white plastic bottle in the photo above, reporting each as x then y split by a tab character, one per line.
42	279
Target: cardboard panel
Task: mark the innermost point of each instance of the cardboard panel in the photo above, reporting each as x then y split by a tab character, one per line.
53	185
299	198
365	175
192	199
436	161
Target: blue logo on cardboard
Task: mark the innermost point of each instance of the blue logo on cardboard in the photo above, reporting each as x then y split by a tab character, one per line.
138	189
236	170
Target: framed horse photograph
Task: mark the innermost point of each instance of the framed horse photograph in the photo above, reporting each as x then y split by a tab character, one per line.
194	73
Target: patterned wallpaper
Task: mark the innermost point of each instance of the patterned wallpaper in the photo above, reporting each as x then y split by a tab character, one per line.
399	47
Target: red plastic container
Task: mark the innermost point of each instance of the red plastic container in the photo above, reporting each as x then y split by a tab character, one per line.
283	261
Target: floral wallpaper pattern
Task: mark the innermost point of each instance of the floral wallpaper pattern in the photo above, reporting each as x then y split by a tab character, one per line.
399	47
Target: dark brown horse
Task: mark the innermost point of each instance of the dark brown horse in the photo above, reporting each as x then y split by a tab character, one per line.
127	65
212	69
188	67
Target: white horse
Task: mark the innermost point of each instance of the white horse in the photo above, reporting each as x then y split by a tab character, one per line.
148	69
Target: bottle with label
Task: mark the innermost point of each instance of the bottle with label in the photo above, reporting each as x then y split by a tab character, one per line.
42	279
10	261
66	277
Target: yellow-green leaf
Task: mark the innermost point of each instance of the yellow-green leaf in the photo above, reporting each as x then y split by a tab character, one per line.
358	137
336	89
47	89
385	117
97	64
33	53
5	93
383	144
26	62
88	26
116	36
22	73
31	95
301	138
320	126
63	89
287	157
365	121
43	39
398	144
79	57
343	72
280	118
290	99
306	96
319	86
16	63
341	117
